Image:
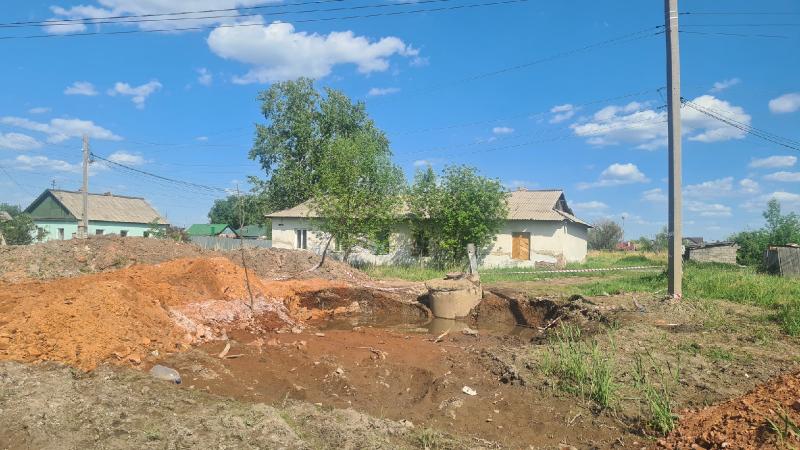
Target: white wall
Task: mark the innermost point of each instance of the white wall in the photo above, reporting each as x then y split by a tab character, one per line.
549	242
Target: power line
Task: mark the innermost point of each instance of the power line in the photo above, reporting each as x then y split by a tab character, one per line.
92	21
738	13
160	177
761	134
323	19
710	33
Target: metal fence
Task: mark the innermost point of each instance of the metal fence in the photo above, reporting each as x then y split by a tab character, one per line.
225	243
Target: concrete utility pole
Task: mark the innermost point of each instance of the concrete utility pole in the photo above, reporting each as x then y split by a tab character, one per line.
83	227
674	264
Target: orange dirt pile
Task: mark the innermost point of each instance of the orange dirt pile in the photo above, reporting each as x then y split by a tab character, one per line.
130	314
742	422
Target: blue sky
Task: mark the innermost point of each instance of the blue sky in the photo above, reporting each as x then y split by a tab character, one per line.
497	87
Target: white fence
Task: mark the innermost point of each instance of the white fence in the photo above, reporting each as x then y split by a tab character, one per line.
225	243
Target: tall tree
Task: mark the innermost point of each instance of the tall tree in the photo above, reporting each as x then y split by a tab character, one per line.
301	125
780	229
604	235
20	230
358	194
423	201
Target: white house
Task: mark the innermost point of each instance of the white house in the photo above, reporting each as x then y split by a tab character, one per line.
540	228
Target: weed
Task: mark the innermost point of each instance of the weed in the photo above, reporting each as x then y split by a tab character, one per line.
582	369
657	394
430	439
692	348
784	428
152	434
719	354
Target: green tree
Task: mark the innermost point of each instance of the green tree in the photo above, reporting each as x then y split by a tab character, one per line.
780	229
661	242
301	126
604	235
20	230
463	208
231	210
422	198
645	244
358	194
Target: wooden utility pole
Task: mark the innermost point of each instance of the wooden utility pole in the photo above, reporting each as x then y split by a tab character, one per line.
674	268
83	227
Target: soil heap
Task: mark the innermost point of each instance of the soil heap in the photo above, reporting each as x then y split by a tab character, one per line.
131	314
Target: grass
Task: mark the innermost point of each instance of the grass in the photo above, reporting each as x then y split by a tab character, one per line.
657	394
430	439
718	282
783	428
582	369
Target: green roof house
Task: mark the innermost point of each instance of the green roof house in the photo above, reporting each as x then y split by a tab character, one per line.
254	232
58	212
211	229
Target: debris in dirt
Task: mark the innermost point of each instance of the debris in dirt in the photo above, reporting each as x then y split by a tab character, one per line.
160	372
469	391
297	330
339	371
377	354
439	338
225	350
407	423
469	331
319	334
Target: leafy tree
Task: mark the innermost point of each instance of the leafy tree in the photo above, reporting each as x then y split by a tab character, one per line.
20	230
661	242
230	210
358	194
605	235
463	208
780	229
422	200
302	125
645	244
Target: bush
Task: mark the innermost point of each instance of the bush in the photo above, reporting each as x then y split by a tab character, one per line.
605	235
780	229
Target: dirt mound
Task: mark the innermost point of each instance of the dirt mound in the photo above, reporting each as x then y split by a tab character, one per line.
59	259
130	314
744	422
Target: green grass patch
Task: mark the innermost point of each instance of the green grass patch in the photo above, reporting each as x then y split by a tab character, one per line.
719	354
657	385
581	368
717	282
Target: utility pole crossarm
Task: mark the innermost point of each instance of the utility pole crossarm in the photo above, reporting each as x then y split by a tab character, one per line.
674	264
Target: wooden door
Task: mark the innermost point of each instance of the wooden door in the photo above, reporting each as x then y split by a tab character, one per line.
521	246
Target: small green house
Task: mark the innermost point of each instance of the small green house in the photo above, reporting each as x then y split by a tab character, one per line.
211	229
58	212
254	232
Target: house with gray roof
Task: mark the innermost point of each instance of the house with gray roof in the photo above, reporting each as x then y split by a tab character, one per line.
540	228
58	212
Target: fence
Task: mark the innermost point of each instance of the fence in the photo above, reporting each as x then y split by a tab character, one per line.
225	243
784	261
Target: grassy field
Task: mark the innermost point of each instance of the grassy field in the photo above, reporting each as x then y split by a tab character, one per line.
779	296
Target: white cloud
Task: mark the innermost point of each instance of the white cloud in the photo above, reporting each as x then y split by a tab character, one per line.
138	94
514	185
562	112
707	209
617	174
31	163
204	77
787	199
773	162
784	197
502	130
59	130
138	7
18	141
749	186
786	103
656	195
786	177
277	52
422	163
377	92
201	138
81	88
39	110
129	159
720	86
590	206
710	189
647	129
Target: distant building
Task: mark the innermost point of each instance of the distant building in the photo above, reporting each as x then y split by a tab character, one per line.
628	246
254	232
540	229
717	252
783	260
58	212
693	241
211	229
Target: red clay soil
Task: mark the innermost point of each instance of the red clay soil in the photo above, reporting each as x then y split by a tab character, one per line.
131	314
742	422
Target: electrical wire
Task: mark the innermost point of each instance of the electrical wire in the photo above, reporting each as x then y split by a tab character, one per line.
160	177
709	33
323	19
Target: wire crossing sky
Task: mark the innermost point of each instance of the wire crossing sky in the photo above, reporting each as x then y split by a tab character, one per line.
537	94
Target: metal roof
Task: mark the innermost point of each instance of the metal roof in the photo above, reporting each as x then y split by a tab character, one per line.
105	207
208	229
545	205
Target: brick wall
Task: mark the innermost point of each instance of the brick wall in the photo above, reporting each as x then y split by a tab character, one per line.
722	254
